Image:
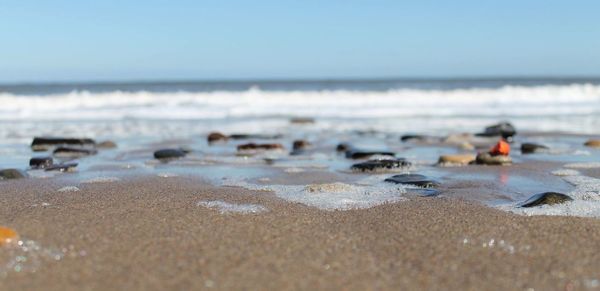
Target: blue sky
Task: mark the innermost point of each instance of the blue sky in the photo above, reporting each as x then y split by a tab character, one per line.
132	40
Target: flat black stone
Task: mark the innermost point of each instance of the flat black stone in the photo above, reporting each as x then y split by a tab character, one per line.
65	167
358	154
503	129
45	143
530	148
342	147
40	162
169	154
8	174
255	136
73	152
413	179
418	137
546	198
373	165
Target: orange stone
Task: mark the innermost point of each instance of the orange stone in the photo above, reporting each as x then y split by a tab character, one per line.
7	235
501	148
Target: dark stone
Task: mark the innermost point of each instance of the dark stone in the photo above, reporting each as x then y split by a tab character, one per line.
373	165
413	179
418	138
342	147
45	143
546	198
255	136
503	129
66	152
301	145
107	144
216	136
168	154
302	120
64	167
8	174
255	146
530	148
359	154
40	162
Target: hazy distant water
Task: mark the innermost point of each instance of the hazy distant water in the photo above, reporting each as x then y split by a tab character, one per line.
296	85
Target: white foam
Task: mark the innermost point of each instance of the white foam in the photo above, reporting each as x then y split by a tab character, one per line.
550	107
565	172
589	165
101	180
225	207
332	196
294	170
586	199
167	175
68	189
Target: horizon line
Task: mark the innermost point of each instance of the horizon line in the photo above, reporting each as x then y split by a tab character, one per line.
301	80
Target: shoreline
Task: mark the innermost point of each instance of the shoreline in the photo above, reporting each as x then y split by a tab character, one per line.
149	233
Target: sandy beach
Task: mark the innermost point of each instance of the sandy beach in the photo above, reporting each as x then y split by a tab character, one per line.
151	234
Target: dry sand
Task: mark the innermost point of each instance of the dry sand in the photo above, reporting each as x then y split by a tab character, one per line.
150	234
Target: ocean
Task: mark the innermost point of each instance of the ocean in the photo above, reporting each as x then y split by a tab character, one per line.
117	110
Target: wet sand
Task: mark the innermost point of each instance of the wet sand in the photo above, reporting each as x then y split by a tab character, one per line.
150	234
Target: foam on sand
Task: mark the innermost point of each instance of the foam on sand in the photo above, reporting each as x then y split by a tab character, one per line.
101	180
586	199
588	165
225	207
332	196
68	189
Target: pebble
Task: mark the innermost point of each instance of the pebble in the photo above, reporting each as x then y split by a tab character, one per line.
65	167
255	136
419	138
342	147
373	165
8	174
413	179
302	120
593	143
488	159
107	144
67	152
458	159
503	129
359	154
168	154
501	148
546	198
530	148
46	143
216	137
7	236
265	146
299	146
40	162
